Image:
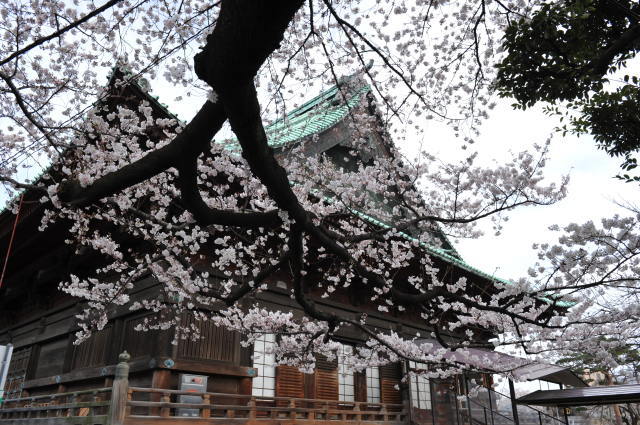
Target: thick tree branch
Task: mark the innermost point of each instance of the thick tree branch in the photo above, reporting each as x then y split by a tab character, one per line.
204	215
193	139
240	291
601	64
295	245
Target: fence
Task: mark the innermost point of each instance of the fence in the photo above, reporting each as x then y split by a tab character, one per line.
125	405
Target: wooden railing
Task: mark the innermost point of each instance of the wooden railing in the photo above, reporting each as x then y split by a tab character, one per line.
125	405
82	407
145	405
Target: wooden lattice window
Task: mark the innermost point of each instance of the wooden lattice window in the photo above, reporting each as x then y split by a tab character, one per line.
17	374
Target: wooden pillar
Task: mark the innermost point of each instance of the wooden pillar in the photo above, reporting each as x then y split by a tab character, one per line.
165	411
292	410
206	410
252	409
119	391
245	386
161	379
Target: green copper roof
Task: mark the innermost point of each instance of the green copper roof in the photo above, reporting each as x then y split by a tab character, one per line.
438	252
313	117
454	259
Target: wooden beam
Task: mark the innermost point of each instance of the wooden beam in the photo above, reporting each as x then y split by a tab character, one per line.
209	367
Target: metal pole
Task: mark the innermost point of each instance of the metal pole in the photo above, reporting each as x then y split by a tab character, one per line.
432	395
514	406
456	402
564	409
466	387
490	404
469	410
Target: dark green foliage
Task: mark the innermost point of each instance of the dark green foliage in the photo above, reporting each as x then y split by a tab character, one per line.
567	51
613	118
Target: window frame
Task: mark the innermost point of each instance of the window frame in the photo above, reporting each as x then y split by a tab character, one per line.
373	383
420	387
346	375
264	383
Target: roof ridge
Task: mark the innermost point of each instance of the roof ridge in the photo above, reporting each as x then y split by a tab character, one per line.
324	95
302	108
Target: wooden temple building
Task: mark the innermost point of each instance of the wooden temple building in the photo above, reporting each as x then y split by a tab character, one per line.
214	380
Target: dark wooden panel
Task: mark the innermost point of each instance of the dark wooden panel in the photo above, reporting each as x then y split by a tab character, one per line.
92	352
138	343
323	364
246	356
215	343
360	380
391	370
51	358
310	386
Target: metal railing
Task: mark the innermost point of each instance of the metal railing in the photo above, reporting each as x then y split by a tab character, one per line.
491	407
525	411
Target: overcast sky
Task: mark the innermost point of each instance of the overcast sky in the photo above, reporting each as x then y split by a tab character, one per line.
592	190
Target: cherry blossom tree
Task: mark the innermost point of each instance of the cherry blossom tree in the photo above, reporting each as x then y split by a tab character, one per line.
213	225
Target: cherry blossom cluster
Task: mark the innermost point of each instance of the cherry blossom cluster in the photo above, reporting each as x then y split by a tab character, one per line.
378	221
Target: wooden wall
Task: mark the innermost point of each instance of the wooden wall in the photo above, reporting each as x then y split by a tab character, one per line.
215	343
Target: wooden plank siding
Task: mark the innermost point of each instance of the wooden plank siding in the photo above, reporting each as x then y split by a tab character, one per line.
92	352
215	343
138	343
51	356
